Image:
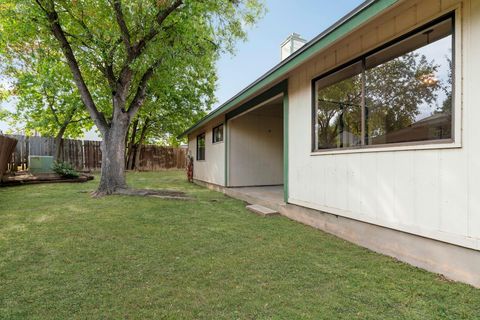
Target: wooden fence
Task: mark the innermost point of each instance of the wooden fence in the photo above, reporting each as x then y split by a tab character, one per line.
83	155
153	158
7	145
87	155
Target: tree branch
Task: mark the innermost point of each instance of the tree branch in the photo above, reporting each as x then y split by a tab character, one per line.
41	6
117	7
56	28
110	75
139	97
80	120
107	67
126	73
50	106
161	16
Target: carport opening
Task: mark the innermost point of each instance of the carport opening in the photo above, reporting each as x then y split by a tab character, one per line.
256	146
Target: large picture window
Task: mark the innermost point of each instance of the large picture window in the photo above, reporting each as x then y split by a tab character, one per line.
401	93
201	147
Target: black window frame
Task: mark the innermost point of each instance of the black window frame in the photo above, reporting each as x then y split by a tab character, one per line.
200	136
362	59
223	133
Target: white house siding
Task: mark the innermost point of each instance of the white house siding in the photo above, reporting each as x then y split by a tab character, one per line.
433	191
212	169
256	148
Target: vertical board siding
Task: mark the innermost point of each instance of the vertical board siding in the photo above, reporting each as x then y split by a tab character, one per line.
426	170
453	203
369	202
385	193
404	187
257	149
428	192
472	114
212	169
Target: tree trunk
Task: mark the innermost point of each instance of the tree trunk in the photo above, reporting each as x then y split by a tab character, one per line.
113	157
138	149
131	146
127	147
59	143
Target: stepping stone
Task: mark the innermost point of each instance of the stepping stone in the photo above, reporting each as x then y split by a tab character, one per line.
261	210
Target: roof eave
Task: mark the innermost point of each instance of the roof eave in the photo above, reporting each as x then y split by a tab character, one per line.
348	23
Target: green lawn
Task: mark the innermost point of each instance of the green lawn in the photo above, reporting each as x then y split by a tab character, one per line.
64	255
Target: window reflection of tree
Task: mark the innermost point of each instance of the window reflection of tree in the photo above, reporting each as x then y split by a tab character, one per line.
406	95
395	91
339	114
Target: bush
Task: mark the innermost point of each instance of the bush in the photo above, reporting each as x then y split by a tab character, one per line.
65	169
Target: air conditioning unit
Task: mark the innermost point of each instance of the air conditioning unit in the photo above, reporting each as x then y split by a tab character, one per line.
40	164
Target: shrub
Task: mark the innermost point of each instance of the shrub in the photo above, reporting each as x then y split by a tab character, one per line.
65	169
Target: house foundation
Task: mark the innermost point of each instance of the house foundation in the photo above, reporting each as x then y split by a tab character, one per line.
452	261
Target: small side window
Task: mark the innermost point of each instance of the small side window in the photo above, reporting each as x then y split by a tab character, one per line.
217	134
201	147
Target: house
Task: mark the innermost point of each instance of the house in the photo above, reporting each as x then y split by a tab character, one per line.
368	132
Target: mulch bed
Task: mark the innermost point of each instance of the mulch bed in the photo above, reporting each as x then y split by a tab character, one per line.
24	177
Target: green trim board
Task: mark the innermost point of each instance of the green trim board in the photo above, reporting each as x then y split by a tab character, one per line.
351	21
280	88
226	137
285	145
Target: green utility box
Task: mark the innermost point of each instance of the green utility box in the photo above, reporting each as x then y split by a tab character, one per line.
40	164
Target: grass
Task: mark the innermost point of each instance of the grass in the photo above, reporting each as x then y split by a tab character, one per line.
64	255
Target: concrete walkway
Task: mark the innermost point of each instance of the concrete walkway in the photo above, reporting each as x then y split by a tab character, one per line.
270	196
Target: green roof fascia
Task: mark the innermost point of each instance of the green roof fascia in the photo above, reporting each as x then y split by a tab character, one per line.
350	22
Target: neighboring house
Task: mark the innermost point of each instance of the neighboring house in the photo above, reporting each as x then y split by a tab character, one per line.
370	130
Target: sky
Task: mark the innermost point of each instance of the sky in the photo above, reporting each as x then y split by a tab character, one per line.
261	51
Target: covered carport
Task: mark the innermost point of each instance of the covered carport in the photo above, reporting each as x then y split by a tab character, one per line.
256	141
256	146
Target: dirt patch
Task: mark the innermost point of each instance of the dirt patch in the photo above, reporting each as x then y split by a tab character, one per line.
163	194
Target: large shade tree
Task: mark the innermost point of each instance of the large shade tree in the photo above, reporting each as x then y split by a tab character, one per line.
119	49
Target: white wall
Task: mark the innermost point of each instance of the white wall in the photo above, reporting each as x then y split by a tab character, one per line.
430	191
212	169
256	147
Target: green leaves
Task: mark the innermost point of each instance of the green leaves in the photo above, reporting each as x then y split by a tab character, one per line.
46	97
115	43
